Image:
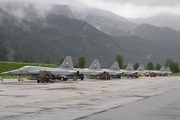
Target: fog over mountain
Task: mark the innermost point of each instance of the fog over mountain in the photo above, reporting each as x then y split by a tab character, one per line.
125	8
54	31
161	20
166	14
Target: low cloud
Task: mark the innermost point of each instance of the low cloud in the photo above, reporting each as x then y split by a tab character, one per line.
151	3
126	8
19	8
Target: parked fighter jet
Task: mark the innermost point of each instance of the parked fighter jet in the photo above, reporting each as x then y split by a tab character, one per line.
141	71
168	71
114	71
66	69
94	71
129	71
161	72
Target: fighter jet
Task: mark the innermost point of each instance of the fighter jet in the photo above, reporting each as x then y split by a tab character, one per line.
114	71
94	71
168	71
161	72
66	69
141	71
129	71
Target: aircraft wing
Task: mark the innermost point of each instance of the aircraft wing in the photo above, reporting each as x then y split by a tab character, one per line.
16	72
112	72
91	72
55	72
142	72
129	72
154	71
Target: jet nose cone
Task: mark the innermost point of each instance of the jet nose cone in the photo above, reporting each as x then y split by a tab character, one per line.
5	73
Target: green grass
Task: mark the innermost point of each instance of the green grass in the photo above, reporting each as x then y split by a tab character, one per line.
174	74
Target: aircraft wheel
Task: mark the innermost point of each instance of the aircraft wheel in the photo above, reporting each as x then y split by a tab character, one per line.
47	81
64	79
82	77
38	81
119	76
74	78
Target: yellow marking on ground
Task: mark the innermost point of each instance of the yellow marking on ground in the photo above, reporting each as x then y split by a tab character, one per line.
45	100
13	105
101	91
80	94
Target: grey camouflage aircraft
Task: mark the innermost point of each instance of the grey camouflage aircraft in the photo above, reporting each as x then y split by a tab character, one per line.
66	69
114	71
94	71
161	72
129	71
141	70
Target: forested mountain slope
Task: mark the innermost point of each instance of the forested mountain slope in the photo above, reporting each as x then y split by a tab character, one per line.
55	36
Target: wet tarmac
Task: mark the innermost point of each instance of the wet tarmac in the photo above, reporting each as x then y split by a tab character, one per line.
132	99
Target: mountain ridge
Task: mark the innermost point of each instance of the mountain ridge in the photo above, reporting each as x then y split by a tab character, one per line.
55	36
161	20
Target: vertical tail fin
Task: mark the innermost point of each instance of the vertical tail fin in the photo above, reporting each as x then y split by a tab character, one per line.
129	67
162	68
115	66
67	63
95	65
141	68
168	70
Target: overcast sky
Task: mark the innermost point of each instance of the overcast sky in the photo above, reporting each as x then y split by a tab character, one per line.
125	8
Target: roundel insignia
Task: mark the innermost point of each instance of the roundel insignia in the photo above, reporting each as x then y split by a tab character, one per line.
67	63
115	66
129	67
95	64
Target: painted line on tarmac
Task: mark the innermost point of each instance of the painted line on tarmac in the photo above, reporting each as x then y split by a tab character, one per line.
40	101
79	94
